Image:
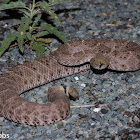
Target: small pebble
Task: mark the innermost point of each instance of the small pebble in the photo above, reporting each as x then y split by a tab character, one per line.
96	109
76	78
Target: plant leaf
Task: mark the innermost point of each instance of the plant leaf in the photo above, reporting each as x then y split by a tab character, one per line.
38	48
20	44
36	20
11	5
26	13
28	34
7	41
24	26
46	7
53	30
40	34
16	21
35	12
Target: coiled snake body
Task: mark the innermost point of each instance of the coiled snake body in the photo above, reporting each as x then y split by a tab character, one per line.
70	58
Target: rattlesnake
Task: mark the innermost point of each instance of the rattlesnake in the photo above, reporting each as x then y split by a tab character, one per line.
70	58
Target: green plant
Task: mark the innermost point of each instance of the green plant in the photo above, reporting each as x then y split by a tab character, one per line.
29	30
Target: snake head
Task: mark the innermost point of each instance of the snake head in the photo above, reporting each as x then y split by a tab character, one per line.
99	62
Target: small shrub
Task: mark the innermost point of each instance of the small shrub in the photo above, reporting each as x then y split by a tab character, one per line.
29	30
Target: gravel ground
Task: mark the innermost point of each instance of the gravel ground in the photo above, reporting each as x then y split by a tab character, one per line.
114	97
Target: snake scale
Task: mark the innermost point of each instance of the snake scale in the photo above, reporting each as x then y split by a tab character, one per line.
70	58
